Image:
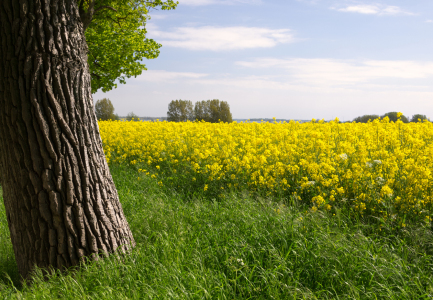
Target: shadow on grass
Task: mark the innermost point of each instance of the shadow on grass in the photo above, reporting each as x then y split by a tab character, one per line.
8	267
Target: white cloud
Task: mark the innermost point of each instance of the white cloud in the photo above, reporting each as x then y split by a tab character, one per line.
311	75
374	9
220	2
165	76
288	88
309	1
299	74
221	38
429	21
362	9
267	96
158	17
345	73
196	2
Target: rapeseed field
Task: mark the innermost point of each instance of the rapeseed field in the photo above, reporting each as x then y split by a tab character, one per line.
273	211
381	168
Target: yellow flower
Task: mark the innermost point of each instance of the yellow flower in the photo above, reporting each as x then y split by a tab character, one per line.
318	200
386	191
340	190
363	165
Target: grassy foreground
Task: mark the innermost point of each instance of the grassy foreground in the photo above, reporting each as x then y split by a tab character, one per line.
238	248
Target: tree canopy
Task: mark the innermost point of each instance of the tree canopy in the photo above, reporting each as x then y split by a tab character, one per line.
219	111
212	111
116	36
132	117
105	110
418	118
365	118
201	111
393	116
180	111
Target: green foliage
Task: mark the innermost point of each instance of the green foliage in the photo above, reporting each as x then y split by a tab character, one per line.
105	110
200	111
393	117
418	118
132	117
117	41
219	111
365	118
180	111
237	248
213	111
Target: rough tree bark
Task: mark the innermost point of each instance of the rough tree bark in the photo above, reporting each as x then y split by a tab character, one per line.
60	199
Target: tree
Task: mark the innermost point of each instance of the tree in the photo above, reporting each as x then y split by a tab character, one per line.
105	110
220	111
213	111
60	199
132	117
180	111
116	36
201	112
418	118
365	118
393	117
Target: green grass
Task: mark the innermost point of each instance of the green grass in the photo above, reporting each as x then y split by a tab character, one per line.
238	248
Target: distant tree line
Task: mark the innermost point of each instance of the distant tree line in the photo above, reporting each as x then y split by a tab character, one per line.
392	117
215	111
105	111
210	111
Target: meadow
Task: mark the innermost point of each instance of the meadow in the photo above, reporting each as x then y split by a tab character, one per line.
260	211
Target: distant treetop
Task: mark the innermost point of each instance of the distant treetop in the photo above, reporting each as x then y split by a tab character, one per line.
393	116
209	111
105	110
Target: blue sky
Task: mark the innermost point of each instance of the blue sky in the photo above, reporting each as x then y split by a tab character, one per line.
290	59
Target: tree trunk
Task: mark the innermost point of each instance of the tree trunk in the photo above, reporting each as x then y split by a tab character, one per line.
60	199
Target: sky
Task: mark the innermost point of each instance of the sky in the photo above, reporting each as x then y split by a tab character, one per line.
289	59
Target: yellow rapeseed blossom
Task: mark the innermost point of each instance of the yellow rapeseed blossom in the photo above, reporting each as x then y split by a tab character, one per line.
365	166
